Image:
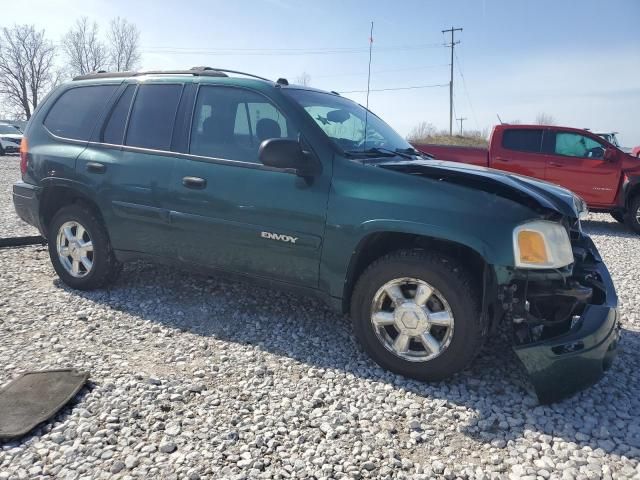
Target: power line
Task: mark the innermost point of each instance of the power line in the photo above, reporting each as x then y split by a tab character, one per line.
427	67
397	88
283	51
466	92
452	45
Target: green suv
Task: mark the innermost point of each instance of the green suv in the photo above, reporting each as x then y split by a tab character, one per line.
217	170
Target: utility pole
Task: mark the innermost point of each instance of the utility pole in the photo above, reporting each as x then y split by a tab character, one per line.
452	44
461	119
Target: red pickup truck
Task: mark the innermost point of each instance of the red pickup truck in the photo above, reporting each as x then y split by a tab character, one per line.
603	175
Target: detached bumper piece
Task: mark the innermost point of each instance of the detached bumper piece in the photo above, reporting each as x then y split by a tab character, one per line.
567	330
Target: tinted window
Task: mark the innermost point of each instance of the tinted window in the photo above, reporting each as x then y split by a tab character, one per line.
114	129
76	111
231	123
153	115
576	145
522	140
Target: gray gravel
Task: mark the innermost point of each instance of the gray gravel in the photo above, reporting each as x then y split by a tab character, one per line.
10	223
195	377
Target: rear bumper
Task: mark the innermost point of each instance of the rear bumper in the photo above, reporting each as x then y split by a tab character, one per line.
26	201
565	364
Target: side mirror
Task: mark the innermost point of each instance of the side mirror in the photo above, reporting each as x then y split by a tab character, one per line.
287	153
609	155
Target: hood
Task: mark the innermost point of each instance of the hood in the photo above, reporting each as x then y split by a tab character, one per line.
17	136
535	194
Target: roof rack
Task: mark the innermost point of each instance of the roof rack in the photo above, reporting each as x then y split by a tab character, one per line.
196	71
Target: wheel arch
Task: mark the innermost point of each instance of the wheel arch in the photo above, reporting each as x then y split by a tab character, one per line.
58	194
379	243
632	190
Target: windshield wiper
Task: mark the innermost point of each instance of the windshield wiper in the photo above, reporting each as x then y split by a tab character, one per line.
380	151
413	151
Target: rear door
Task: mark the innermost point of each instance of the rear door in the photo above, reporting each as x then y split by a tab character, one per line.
576	161
231	212
138	135
519	150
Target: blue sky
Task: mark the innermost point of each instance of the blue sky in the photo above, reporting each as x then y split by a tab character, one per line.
578	61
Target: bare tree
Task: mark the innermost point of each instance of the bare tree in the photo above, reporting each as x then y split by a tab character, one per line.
544	119
27	68
303	79
124	48
421	131
85	52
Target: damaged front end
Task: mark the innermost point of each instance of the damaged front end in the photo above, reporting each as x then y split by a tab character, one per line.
565	321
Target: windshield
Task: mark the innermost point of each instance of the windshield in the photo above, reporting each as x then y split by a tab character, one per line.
344	121
9	129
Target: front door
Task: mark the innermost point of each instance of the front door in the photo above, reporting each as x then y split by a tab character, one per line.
576	161
231	212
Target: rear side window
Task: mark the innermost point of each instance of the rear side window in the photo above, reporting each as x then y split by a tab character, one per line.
113	131
76	111
522	140
153	116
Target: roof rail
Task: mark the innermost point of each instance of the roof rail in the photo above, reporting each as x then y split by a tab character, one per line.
196	71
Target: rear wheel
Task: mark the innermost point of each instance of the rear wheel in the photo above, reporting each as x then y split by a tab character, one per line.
80	250
418	314
633	215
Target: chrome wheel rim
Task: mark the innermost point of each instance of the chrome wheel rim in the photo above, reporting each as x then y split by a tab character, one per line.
412	319
75	249
638	215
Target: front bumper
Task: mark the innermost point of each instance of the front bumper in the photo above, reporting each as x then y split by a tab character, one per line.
26	201
11	148
561	365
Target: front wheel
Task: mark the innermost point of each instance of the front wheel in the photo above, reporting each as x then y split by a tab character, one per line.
418	314
633	215
80	250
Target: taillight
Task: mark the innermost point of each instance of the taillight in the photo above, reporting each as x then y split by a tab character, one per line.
23	156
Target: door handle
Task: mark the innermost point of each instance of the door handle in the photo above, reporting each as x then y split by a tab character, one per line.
555	164
501	159
95	167
194	182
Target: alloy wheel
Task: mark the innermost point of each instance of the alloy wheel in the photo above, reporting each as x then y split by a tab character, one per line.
412	319
75	249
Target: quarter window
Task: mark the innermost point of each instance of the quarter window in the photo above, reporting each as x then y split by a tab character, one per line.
576	145
522	140
75	113
153	116
114	129
231	123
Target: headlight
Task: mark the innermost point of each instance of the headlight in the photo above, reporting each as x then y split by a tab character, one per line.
542	244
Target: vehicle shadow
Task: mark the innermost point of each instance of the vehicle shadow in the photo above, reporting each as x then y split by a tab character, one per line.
494	386
611	228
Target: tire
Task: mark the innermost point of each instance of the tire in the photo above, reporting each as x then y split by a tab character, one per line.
104	267
633	214
2	152
449	281
618	216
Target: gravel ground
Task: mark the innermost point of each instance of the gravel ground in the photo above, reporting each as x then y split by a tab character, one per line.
10	223
195	377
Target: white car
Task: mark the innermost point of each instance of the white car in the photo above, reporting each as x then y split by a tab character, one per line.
10	138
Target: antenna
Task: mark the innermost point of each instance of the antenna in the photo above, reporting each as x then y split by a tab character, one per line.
499	119
366	113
